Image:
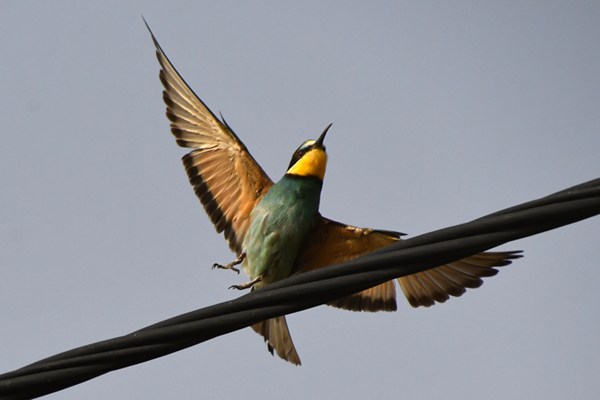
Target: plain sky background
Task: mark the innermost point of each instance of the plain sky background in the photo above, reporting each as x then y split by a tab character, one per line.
442	112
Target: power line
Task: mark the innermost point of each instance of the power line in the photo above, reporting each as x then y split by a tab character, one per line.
303	291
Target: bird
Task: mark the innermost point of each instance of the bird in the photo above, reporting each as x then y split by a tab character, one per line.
276	229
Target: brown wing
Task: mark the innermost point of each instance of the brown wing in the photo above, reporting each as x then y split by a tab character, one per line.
334	243
438	284
226	178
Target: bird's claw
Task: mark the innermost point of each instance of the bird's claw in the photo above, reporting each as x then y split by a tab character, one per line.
247	285
230	266
238	287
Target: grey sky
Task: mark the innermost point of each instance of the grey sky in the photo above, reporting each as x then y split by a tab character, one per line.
442	112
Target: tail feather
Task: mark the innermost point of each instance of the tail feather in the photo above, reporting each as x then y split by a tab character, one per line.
277	336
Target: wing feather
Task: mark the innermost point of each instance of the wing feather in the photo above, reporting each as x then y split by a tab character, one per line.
225	177
333	243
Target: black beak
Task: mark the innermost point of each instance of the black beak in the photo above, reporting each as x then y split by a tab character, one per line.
319	142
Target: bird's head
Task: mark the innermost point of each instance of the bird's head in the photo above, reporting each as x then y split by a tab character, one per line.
310	159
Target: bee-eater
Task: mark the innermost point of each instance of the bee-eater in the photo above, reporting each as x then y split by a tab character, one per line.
276	229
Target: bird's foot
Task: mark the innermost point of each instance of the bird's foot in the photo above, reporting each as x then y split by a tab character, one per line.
232	264
247	284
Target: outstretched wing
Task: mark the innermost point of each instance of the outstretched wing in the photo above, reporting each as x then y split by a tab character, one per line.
226	178
438	284
333	243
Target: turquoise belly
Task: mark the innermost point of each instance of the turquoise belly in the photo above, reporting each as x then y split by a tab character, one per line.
278	225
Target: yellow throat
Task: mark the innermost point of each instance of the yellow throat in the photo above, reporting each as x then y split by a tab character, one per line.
312	163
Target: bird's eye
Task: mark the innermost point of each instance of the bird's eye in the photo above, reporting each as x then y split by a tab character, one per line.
297	155
301	151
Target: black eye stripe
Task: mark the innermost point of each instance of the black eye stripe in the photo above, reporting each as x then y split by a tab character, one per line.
301	151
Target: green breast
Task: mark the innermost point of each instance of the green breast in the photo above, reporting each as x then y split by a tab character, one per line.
278	225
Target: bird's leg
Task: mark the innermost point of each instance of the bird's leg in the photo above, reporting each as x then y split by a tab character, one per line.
232	264
247	284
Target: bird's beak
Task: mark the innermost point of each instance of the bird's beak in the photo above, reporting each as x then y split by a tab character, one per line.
319	142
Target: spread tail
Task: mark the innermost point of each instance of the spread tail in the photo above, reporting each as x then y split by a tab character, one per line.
277	336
